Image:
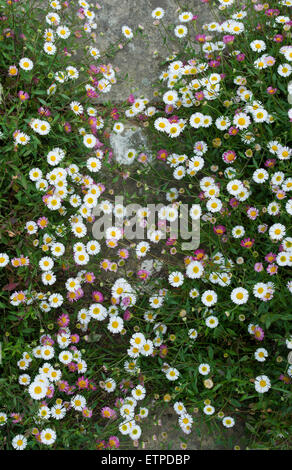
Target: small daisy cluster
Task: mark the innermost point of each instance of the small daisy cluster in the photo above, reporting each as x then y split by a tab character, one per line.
185	419
129	425
46	381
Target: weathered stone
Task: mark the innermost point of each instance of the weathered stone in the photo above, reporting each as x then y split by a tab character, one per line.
133	137
138	59
151	265
163	432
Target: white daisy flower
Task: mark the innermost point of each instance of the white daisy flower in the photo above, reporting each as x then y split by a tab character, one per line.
239	296
139	392
26	64
277	231
172	374
195	212
238	231
261	354
228	422
158	13
22	138
135	432
78	402
241	120
55	300
38	390
48	436
262	384
212	321
58	412
194	270
76	107
116	324
258	45
176	279
110	385
284	70
4	260
260	175
127	32
209	298
50	48
180	31
97	311
24	380
209	410
63	32
19	442
204	369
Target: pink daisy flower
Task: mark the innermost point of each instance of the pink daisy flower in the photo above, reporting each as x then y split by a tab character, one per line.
272	269
89	277
82	383
258	267
97	296
113	442
107	412
270	257
86	412
229	156
252	213
75	338
259	333
247	242
63	320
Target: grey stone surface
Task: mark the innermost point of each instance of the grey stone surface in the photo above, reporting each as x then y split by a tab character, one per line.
164	433
138	58
151	265
133	137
